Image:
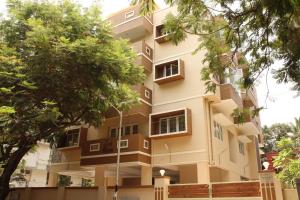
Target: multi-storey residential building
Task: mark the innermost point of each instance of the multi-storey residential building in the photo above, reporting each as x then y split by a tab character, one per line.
177	126
35	167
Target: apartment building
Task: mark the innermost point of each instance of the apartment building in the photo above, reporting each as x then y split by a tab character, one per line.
34	170
176	128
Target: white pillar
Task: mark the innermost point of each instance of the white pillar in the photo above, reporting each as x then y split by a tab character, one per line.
146	175
203	176
161	185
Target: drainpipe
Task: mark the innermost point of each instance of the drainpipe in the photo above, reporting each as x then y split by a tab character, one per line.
210	143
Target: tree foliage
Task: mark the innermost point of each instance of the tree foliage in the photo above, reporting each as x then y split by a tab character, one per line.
59	66
288	160
263	30
273	134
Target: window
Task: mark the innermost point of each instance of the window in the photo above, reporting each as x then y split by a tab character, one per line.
163	126
135	129
94	147
124	144
241	148
148	51
218	131
172	124
126	130
146	144
113	132
73	137
169	69
129	14
147	94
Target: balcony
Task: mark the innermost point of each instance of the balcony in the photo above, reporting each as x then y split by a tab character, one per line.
170	124
130	24
140	110
134	148
69	141
145	55
250	126
169	71
229	98
249	97
160	36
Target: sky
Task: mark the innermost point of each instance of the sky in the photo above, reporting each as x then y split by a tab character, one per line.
281	105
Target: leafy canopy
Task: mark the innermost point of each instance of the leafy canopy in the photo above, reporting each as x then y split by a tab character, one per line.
288	160
59	66
263	30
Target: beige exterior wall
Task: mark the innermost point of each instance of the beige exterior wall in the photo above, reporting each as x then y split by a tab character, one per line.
290	194
196	158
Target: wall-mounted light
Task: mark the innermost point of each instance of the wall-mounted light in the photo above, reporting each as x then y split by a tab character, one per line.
162	172
266	165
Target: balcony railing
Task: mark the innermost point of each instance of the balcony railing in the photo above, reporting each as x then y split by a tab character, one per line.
229	92
250	125
130	24
249	97
134	148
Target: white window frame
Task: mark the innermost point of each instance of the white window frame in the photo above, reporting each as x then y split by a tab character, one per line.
146	144
147	94
168	124
94	144
129	14
126	142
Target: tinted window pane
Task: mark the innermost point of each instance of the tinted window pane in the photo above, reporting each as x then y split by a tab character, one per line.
172	124
163	126
181	121
135	129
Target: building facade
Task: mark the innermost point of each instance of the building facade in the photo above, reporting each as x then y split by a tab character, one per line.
176	127
34	171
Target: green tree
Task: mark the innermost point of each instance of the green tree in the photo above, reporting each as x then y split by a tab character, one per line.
59	66
64	181
263	30
288	160
296	127
273	134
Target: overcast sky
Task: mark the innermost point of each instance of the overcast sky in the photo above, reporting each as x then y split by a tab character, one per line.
281	105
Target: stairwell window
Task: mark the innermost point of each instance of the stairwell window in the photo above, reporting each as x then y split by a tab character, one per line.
218	131
172	124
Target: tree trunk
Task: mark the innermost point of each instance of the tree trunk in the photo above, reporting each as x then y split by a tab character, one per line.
9	169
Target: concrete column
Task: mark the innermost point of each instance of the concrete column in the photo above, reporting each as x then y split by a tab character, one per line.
52	180
99	177
27	195
102	193
60	193
161	187
146	175
203	173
